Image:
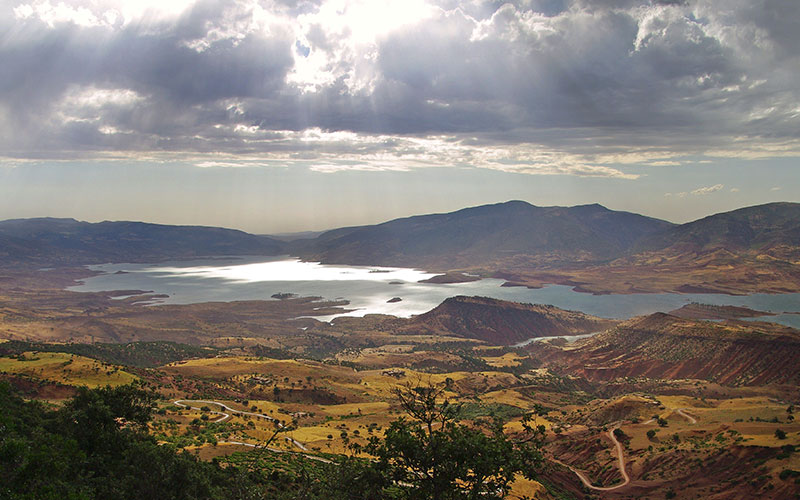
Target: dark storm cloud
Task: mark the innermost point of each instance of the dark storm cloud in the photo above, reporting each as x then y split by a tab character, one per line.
180	87
663	78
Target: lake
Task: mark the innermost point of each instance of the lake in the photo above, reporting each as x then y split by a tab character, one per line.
369	288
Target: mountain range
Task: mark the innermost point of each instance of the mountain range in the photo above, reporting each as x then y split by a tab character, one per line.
587	246
486	234
760	228
506	233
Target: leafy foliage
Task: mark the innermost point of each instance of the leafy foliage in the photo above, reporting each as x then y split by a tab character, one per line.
431	455
96	447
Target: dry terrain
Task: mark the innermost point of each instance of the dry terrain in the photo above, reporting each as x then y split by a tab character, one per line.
699	409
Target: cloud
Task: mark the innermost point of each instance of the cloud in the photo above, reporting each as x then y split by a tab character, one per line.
700	191
664	163
707	190
549	87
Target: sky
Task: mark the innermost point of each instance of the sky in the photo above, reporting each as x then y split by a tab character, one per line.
277	116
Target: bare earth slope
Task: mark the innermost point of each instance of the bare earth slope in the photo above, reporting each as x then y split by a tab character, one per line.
664	346
707	311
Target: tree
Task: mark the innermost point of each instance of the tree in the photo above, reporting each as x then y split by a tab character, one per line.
431	455
95	417
96	446
780	434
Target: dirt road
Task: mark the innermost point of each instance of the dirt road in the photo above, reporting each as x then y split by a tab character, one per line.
621	464
688	417
226	416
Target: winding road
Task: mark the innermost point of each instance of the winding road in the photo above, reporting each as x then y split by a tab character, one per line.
680	412
226	416
581	475
620	457
688	417
621	464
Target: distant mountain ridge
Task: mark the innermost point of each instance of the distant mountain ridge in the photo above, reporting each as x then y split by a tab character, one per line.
754	227
587	246
485	234
54	241
757	228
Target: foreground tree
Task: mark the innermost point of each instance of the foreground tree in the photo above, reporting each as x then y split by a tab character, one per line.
431	455
97	447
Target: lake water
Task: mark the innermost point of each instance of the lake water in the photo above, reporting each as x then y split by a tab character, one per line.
369	288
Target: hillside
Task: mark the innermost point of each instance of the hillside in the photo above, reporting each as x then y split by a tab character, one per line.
68	241
668	347
770	228
501	322
483	235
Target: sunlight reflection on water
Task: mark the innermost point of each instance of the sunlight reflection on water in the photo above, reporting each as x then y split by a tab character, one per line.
294	270
371	290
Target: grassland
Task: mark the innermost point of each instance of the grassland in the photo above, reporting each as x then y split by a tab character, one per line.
67	369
